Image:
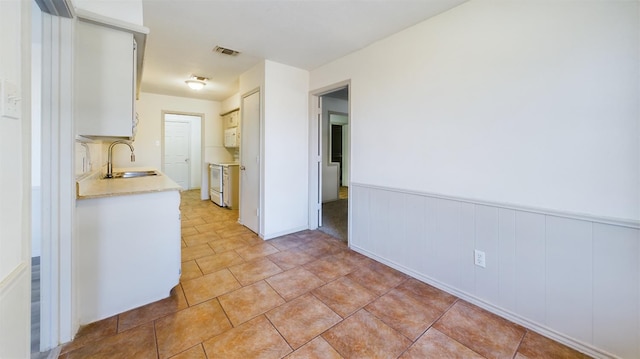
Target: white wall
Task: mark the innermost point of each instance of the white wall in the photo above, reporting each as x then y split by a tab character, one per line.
494	106
15	183
230	103
518	135
286	142
252	79
149	136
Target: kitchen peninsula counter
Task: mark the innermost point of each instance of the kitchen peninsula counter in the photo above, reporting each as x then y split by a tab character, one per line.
127	243
95	186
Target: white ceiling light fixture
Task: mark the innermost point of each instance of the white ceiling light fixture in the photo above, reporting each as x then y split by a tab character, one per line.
196	82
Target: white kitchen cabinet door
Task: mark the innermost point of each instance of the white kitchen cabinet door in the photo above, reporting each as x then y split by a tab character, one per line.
104	81
231	119
128	252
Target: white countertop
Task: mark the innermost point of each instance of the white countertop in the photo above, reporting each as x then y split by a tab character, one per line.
95	186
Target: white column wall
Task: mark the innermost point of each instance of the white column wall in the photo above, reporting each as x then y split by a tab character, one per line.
286	142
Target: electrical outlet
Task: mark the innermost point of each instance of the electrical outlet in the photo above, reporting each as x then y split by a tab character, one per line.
479	258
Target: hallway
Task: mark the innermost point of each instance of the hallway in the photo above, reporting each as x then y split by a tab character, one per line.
304	295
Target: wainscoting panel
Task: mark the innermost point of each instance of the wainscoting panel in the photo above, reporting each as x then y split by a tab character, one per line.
572	278
15	305
616	278
487	239
359	215
447	254
530	266
569	277
507	283
417	248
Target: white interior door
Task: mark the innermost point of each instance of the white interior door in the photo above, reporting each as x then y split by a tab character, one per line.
318	156
176	151
250	162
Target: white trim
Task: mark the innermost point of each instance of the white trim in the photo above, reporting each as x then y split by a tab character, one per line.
622	222
315	161
7	281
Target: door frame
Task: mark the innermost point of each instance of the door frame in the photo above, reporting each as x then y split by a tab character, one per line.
204	174
315	152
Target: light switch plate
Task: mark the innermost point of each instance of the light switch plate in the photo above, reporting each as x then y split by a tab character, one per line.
9	100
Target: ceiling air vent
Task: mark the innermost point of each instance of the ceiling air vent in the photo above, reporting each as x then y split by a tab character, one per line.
225	51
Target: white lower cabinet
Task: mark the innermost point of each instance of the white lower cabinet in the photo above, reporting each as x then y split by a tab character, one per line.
127	252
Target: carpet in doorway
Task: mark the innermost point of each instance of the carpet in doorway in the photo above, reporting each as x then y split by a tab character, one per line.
335	219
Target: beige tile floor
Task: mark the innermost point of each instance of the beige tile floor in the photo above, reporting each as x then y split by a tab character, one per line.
304	295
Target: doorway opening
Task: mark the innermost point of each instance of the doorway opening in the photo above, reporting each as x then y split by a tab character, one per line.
182	149
339	147
334	140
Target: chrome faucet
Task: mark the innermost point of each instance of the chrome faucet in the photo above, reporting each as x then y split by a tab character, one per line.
110	156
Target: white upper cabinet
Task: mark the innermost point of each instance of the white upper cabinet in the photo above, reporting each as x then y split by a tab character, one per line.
107	65
231	123
104	81
231	119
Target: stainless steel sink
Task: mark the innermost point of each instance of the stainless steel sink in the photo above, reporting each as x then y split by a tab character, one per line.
134	174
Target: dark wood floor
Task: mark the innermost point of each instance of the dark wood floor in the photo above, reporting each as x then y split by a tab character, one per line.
35	304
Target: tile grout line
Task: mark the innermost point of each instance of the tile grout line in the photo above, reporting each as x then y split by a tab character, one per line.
279	333
155	338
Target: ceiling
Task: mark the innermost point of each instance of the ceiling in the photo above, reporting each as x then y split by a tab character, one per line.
301	33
